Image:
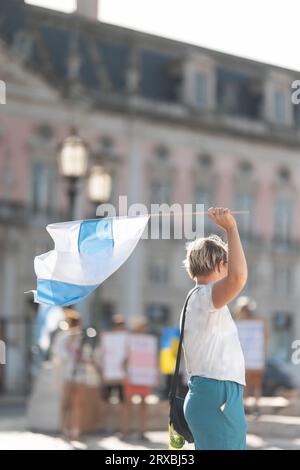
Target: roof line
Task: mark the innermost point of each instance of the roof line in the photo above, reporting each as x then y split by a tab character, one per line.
94	25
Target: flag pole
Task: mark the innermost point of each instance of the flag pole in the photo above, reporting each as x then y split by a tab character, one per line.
162	214
165	214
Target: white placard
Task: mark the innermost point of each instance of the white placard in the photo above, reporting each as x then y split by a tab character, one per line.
113	355
251	334
142	360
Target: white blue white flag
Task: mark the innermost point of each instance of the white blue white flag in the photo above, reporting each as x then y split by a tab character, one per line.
85	253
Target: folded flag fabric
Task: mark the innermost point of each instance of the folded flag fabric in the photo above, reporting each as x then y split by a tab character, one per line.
85	253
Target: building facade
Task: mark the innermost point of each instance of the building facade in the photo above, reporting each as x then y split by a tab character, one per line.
172	123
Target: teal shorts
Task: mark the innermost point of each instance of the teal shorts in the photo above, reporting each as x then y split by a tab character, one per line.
214	411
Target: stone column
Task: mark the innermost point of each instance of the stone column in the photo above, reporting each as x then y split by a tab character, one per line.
131	301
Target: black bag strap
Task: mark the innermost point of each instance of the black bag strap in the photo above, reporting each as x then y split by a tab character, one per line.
174	385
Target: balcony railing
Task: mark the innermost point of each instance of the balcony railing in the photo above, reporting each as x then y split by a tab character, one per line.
13	213
17	213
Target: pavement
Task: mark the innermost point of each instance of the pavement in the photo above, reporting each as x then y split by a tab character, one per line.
272	432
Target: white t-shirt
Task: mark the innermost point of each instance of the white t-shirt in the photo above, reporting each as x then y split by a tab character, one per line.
211	344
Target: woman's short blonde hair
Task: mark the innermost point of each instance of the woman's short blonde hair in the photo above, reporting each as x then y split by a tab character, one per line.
204	255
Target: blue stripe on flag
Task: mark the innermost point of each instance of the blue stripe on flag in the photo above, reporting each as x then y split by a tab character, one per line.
95	236
61	293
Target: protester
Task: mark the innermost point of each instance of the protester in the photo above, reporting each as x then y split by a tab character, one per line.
79	407
113	388
138	325
116	388
254	344
213	406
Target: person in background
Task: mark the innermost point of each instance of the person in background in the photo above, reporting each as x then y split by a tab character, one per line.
116	389
138	325
79	373
245	310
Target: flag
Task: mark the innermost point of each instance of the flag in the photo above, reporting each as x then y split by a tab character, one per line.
168	349
85	253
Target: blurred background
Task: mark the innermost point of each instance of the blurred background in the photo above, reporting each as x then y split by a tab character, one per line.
96	110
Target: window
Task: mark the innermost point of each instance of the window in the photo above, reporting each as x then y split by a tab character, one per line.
205	161
158	316
44	132
282	219
284	175
158	272
43	179
239	93
160	192
161	176
105	314
296	112
283	279
279	107
204	196
201	90
161	153
107	145
245	168
282	335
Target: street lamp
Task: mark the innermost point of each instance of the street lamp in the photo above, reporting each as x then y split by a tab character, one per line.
99	185
73	163
99	191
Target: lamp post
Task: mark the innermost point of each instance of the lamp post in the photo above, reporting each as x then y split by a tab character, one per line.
99	185
73	163
99	191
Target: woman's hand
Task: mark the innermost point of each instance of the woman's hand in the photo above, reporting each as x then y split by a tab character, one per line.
222	217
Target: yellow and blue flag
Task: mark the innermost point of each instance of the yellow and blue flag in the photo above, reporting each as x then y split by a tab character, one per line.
168	349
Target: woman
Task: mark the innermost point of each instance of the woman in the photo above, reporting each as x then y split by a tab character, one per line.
81	407
214	404
138	326
245	312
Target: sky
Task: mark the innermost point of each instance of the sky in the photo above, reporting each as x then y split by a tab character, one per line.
263	30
